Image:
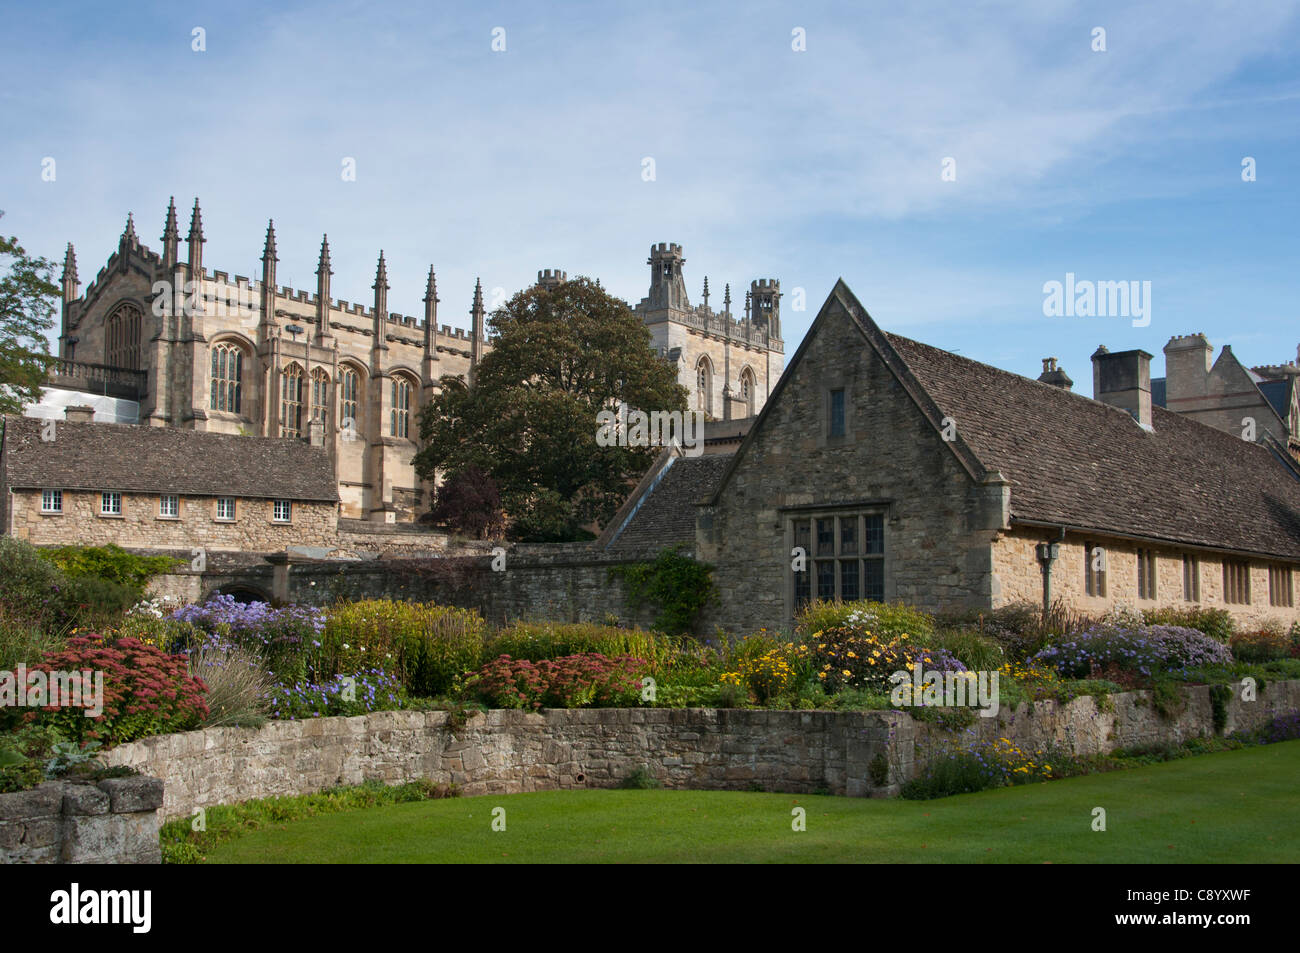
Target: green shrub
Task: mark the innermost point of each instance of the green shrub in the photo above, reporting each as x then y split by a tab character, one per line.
1264	645
535	641
1220	695
428	647
23	754
976	651
1216	623
1168	699
31	588
678	586
1020	628
22	640
111	563
885	621
170	635
640	780
95	602
878	770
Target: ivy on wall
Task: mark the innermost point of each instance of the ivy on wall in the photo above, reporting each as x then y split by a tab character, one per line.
678	586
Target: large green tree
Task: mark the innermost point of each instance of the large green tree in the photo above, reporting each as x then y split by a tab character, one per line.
28	296
559	356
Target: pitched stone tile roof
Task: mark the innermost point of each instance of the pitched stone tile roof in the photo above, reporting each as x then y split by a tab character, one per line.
1076	461
126	458
666	514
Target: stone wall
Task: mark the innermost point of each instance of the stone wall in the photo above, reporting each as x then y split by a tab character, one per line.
501	752
560	582
59	822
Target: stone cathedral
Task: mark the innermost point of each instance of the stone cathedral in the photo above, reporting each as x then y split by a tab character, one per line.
184	346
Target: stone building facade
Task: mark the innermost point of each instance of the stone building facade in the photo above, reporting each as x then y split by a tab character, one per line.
82	483
159	338
1225	394
727	364
210	352
884	468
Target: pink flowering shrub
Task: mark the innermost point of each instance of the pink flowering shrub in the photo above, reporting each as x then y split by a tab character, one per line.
572	681
146	691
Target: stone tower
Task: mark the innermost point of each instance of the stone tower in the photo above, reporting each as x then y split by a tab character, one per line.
728	365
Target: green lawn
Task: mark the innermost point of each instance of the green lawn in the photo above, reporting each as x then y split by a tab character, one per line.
1233	807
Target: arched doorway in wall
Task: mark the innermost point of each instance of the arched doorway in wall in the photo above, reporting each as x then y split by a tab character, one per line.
240	593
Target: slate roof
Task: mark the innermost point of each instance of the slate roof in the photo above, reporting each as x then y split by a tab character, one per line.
127	458
1080	462
1278	394
666	515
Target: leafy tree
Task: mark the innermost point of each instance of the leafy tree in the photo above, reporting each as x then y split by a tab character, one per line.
559	356
27	299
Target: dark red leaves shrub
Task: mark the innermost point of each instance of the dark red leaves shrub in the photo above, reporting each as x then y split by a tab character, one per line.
573	681
146	691
470	503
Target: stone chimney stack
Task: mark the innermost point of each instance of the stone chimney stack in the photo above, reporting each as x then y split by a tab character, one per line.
1123	380
1054	375
79	414
1187	368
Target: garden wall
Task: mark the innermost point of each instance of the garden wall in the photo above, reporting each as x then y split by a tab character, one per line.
112	822
501	752
563	582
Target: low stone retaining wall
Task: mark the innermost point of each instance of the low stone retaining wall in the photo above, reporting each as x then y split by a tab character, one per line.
509	751
112	822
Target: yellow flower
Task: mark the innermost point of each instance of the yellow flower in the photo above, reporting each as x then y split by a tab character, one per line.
847	673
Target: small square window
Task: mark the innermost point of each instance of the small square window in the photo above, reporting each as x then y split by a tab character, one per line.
169	506
110	504
51	501
281	511
226	508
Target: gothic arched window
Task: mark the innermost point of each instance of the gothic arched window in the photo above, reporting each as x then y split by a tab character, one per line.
704	386
291	401
401	413
227	378
747	390
349	400
122	338
320	394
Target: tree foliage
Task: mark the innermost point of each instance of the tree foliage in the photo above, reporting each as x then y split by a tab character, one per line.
28	296
559	356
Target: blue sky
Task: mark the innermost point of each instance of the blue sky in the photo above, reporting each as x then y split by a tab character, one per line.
805	166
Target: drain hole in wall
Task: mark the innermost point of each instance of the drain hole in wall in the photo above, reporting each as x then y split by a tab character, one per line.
582	778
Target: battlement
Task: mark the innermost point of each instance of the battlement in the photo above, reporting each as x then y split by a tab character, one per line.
1188	340
665	248
1275	371
765	284
549	274
458	333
